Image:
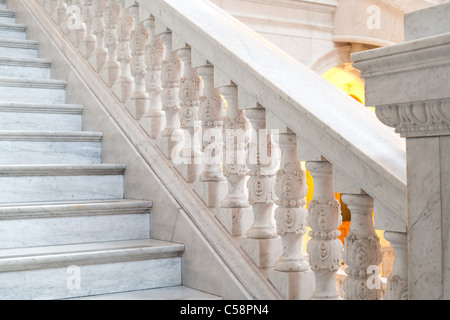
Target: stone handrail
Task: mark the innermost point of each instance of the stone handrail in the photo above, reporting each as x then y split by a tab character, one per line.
195	77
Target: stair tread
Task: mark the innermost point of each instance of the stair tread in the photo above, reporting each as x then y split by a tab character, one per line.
74	208
61	169
36	62
20	259
20	42
41	107
51	135
32	83
166	293
12	25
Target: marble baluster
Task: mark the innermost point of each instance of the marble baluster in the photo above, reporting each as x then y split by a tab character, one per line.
397	285
111	70
362	251
124	86
88	43
76	24
212	185
138	103
261	243
235	212
191	90
99	56
60	12
172	70
324	247
153	121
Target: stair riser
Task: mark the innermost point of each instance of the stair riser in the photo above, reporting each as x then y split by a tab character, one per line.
60	188
48	152
13	34
17	121
22	233
32	95
6	51
60	282
7	17
25	72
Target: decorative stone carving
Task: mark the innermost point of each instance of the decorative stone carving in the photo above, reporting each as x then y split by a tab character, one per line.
290	216
100	54
362	251
397	285
417	119
138	103
324	248
124	85
153	121
87	45
111	70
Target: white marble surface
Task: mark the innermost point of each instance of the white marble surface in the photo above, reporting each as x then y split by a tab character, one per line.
29	121
32	91
12	31
32	188
49	148
25	68
427	22
18	48
8	16
94	279
19	233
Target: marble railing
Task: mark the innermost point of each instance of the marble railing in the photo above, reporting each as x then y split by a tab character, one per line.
237	117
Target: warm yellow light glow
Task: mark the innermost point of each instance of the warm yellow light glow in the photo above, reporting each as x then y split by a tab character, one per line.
347	79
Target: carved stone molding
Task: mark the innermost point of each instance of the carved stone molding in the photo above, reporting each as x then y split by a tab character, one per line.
417	119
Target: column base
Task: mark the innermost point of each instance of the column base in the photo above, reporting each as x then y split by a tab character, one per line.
110	74
98	60
153	123
123	89
236	220
168	146
137	107
190	172
211	192
293	285
264	252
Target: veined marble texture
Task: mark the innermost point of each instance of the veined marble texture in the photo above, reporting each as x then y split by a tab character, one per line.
24	72
7	17
19	233
41	95
55	283
40	121
50	152
60	188
18	48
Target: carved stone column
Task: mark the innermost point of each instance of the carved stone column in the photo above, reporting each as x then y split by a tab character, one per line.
212	186
262	243
191	91
292	272
324	247
124	85
138	103
362	251
75	24
111	70
235	212
397	285
87	45
99	56
172	70
153	121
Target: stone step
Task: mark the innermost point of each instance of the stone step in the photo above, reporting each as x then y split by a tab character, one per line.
31	68
43	183
32	90
69	271
48	224
40	117
13	31
22	147
18	48
8	16
167	293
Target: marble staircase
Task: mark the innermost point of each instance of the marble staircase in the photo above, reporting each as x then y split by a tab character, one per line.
66	230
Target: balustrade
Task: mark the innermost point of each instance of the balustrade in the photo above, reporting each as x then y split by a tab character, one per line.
223	147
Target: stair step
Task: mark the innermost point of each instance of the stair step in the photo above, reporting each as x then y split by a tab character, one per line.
18	48
13	30
69	271
32	90
6	15
31	68
49	224
40	117
43	183
22	147
167	293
